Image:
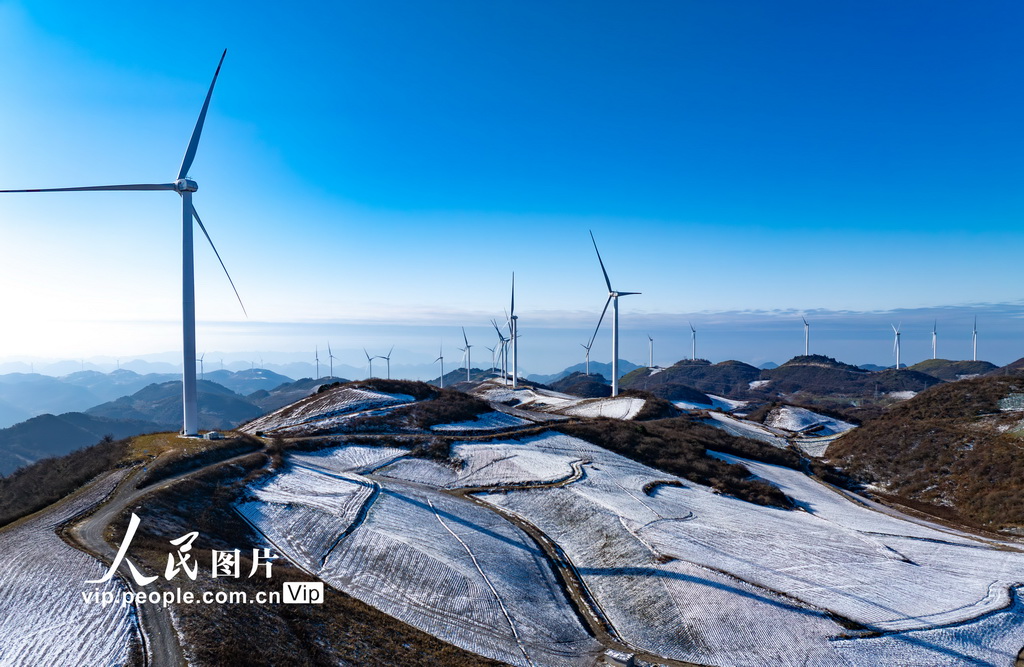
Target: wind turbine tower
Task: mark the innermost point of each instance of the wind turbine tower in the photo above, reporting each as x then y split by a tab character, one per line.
369	361
440	357
935	332
467	355
974	338
807	337
317	357
330	357
202	373
650	351
587	348
693	343
896	345
613	298
388	360
184	186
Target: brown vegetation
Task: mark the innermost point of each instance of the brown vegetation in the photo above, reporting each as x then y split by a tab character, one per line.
949	447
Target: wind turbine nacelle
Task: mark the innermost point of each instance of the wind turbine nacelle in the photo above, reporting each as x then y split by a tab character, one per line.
185	185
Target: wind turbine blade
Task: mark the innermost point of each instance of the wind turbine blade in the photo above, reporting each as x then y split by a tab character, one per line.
367	354
464	339
102	188
390	351
629	293
207	235
513	307
599	320
606	280
193	143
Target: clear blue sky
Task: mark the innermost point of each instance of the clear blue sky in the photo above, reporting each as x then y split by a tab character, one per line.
390	164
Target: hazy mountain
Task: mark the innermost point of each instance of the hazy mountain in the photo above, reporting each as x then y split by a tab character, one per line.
36	394
768	365
219	407
820	376
247	381
49	435
596	368
108	386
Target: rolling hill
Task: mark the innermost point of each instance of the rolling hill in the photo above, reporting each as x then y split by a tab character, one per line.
952	370
727	378
219	407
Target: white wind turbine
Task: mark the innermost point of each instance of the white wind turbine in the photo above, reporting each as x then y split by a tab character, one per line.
504	352
440	357
202	373
935	333
388	360
184	186
330	357
896	344
807	337
587	346
650	351
974	338
317	357
369	361
613	298
467	355
492	351
693	342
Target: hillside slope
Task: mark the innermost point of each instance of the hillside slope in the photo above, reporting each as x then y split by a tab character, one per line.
955	447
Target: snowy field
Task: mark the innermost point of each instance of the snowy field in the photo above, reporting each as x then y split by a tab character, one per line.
800	419
43	618
751	585
747	429
620	407
491	464
440	563
717	403
677	569
330	409
489	421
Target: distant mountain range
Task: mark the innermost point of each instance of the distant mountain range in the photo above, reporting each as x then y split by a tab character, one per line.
154	407
596	368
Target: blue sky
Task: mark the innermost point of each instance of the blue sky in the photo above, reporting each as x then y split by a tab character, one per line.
378	170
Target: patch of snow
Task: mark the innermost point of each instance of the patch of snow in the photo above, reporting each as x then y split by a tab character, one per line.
43	619
319	408
901	395
747	429
617	408
757	384
489	421
800	419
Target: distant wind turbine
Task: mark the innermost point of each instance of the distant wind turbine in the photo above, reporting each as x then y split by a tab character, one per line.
317	357
586	347
693	342
896	345
388	360
935	332
613	298
650	351
330	357
184	186
807	337
202	374
504	352
974	338
468	356
440	357
369	361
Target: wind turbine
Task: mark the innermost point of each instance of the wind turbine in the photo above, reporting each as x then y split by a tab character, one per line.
369	360
935	331
613	298
202	374
491	350
468	356
330	357
504	352
184	186
693	342
974	338
388	359
896	345
650	352
318	362
440	357
587	347
807	337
